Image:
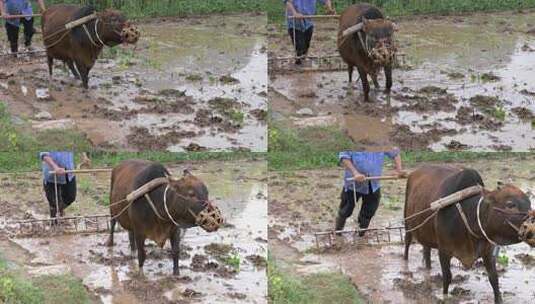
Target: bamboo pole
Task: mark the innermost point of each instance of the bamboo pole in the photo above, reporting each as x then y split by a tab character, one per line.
382	177
84	171
314	17
19	16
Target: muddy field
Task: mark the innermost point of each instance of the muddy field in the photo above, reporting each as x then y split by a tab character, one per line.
305	201
224	267
464	82
189	84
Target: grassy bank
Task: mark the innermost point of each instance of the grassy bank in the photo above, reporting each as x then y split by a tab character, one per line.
327	287
16	288
16	135
318	147
29	161
276	9
158	8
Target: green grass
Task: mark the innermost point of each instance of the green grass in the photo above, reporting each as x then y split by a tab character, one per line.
16	288
156	8
327	287
276	9
29	160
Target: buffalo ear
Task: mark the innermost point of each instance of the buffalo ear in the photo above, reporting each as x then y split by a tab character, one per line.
499	185
186	172
395	27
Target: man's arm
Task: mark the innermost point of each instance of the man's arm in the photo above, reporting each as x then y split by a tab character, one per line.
3	9
357	176
290	7
329	7
398	166
52	164
42	6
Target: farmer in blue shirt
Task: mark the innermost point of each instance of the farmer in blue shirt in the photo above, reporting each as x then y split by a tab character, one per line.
303	28
358	166
66	182
19	7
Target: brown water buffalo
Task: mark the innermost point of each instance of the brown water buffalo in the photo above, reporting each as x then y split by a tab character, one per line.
365	42
80	46
501	211
187	202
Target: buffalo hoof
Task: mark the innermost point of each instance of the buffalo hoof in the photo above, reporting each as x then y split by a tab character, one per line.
176	272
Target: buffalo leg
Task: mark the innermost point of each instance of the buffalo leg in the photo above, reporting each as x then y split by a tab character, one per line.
350	73
408	241
140	244
490	265
175	250
445	264
388	76
84	72
50	62
375	82
132	240
74	72
365	84
427	257
109	243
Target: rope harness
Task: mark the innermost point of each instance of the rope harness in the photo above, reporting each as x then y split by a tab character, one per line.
209	218
128	34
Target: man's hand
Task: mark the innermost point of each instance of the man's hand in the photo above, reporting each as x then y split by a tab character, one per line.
60	171
298	15
359	178
402	173
330	11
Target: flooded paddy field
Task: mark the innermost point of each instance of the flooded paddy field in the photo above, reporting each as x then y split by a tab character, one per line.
464	82
196	83
227	266
302	202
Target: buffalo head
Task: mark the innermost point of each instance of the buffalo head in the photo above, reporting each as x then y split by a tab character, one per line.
378	39
114	29
189	197
507	208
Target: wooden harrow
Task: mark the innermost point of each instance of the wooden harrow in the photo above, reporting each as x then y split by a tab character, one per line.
373	236
60	225
55	226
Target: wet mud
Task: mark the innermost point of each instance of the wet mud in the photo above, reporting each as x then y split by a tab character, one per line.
227	266
158	94
302	202
463	82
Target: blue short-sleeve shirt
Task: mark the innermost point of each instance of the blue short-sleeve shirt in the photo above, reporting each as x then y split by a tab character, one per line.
367	163
64	159
305	7
18	7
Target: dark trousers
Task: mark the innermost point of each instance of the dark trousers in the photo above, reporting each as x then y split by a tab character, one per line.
66	195
13	34
302	40
370	203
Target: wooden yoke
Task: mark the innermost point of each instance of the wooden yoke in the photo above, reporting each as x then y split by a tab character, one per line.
456	197
146	188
